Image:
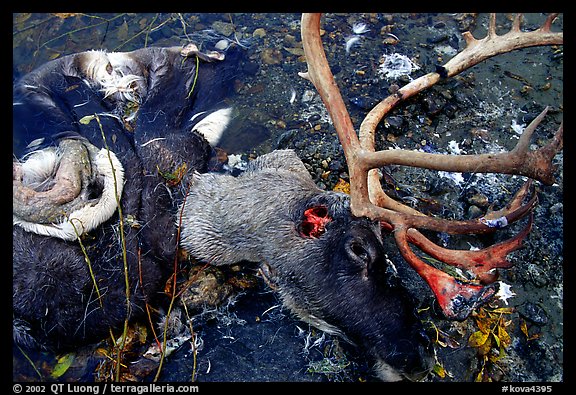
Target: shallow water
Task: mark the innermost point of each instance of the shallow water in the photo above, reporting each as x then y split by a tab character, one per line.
277	109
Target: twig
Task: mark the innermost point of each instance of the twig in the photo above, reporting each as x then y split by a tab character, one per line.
88	262
30	360
124	257
194	350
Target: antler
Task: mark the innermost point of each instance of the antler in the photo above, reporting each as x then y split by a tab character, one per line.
456	298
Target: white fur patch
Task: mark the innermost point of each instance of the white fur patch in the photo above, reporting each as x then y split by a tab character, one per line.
213	126
385	372
111	71
88	217
39	167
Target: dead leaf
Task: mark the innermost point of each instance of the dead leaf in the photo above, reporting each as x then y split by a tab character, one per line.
503	310
122	33
173	178
295	51
504	337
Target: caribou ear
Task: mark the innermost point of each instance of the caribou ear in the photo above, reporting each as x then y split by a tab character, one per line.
314	222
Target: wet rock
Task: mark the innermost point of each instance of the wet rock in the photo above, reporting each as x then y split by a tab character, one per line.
314	118
465	21
251	68
474	212
537	275
557	208
222	45
434	104
395	123
335	165
437	39
224	28
533	313
364	102
271	56
259	33
478	199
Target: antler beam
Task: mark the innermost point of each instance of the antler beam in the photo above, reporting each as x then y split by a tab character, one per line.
368	199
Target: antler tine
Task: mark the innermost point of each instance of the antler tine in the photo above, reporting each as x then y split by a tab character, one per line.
548	22
457	299
492	27
517	22
520	161
481	263
524	141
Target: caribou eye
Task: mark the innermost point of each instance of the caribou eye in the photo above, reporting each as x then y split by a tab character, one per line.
362	250
359	252
314	222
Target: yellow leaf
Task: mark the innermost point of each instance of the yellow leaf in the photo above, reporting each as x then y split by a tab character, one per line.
524	328
485	348
496	338
342	186
439	370
86	119
504	310
477	339
63	364
484	325
504	337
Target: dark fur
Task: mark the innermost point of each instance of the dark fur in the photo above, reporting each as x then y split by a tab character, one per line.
55	304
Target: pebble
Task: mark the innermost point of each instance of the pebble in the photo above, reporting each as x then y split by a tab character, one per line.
537	276
395	122
224	28
271	56
557	208
390	41
259	33
222	44
479	200
474	212
314	117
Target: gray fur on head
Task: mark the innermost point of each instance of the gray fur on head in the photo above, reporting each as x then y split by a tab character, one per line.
229	219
